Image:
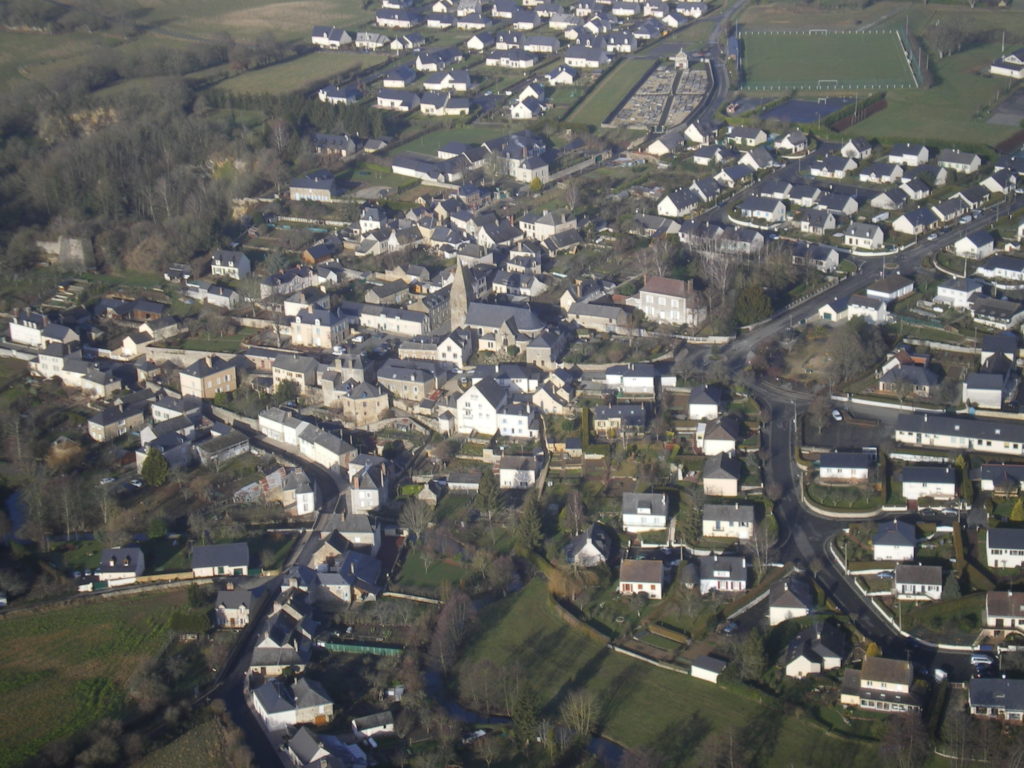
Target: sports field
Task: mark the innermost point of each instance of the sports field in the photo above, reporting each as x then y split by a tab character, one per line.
824	60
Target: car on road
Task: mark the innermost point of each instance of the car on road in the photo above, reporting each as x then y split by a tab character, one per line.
965	219
730	628
982	660
136	483
932	236
837	415
108	480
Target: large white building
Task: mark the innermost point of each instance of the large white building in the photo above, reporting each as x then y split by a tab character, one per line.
666	300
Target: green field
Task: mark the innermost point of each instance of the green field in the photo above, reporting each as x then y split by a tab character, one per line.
63	669
204	744
301	73
608	93
948	112
855	60
429	143
642	705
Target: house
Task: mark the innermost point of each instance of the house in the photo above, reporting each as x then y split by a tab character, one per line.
281	705
356	579
719	436
1010	65
863	237
880	684
682	202
443	104
231	264
707	668
611	421
707	402
789	599
222	447
333	94
702	132
592	547
746	136
397	100
916	222
641	380
960	433
120	566
815	649
517	472
732	521
477	408
116	420
985	390
881	173
958	291
317	186
722	573
399	78
644	512
831	167
208	377
641	577
937	483
233	607
823	258
891	288
996	698
220	560
1001	314
581	57
562	75
721	476
894	540
1004	612
857	149
890	200
667	143
917	582
373	725
793	144
1005	268
976	245
361	403
960	162
818	222
667	300
763	209
911	155
1004	548
330	37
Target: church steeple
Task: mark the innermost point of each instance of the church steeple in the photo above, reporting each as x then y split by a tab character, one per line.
461	295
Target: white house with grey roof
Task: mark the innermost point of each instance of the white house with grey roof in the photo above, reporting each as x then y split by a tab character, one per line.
1004	547
644	512
960	433
728	521
894	540
937	483
722	573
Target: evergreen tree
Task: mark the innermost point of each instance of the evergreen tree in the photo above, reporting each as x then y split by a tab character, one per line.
155	469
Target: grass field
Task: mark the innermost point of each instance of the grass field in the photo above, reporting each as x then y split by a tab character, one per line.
612	89
63	669
947	112
301	73
855	60
202	745
643	706
417	578
429	143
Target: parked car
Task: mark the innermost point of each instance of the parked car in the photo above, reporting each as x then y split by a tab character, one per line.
837	415
932	236
108	480
136	483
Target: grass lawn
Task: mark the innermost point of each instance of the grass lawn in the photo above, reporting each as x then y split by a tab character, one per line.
203	744
429	143
524	630
225	343
166	555
947	112
612	89
416	577
856	60
301	73
64	668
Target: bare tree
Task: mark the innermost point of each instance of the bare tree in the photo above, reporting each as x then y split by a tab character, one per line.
760	542
571	190
416	516
579	711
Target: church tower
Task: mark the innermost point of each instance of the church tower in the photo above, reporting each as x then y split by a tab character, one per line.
461	295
